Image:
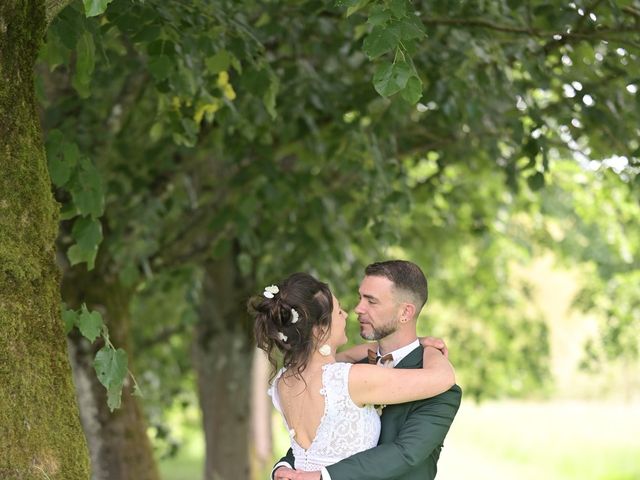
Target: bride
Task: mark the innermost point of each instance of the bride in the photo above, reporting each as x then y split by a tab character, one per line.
329	405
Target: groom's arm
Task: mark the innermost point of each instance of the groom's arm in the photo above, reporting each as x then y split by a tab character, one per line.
422	433
286	461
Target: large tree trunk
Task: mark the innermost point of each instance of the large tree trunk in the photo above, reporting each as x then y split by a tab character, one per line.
118	442
223	354
40	432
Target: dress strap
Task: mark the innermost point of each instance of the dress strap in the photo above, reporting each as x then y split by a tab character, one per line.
272	391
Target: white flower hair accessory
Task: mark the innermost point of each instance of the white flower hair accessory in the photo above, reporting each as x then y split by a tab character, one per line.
295	316
270	291
282	336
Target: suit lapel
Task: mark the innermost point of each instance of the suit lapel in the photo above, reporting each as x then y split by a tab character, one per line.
413	360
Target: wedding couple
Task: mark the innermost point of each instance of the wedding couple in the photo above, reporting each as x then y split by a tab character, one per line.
330	401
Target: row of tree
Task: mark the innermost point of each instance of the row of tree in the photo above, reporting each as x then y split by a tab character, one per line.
201	150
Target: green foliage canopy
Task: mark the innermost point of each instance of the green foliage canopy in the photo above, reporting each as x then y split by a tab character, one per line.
183	132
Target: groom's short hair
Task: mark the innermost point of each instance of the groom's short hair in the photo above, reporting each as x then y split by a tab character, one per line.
406	276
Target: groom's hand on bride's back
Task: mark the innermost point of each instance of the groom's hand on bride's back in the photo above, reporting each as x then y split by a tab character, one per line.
435	342
284	473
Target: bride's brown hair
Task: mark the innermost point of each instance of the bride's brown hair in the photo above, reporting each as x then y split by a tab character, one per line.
274	320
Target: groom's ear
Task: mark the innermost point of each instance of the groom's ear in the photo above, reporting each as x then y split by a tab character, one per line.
407	312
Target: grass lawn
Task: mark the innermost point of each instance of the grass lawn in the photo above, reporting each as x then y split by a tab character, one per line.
510	441
551	441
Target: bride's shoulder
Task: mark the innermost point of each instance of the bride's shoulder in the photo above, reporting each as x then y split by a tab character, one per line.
337	366
336	372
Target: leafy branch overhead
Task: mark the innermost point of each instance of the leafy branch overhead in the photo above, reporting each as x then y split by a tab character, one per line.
397	33
180	134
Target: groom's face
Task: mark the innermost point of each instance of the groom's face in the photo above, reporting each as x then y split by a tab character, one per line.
377	310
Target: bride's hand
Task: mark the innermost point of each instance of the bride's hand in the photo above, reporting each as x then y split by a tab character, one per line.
435	342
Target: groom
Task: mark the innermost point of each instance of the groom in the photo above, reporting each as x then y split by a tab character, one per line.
392	294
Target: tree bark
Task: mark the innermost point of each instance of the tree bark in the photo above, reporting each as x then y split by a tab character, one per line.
40	432
223	356
118	443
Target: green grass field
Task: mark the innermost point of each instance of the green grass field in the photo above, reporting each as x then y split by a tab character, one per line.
551	441
513	441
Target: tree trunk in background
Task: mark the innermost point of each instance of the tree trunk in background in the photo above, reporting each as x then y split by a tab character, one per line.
118	442
261	416
40	432
223	356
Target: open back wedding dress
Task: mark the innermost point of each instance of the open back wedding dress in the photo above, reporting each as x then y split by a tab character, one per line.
345	428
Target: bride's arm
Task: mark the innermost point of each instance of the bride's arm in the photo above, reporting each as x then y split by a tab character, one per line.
356	353
376	384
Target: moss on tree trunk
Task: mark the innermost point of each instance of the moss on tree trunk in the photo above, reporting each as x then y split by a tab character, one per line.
40	432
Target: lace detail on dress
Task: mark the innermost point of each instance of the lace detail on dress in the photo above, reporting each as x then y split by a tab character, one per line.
345	428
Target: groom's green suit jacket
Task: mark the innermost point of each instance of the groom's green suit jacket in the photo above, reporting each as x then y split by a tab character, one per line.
410	440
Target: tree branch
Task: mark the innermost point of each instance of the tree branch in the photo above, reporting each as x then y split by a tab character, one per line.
53	7
520	30
632	11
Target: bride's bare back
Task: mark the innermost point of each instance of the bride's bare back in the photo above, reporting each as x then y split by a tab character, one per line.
302	403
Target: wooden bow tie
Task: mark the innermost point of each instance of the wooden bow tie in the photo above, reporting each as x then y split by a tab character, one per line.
374	357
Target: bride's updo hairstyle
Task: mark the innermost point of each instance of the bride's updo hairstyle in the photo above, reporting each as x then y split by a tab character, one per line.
285	315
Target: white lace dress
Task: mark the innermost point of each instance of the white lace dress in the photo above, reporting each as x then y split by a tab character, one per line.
344	429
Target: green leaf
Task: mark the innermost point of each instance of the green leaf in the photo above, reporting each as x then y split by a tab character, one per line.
95	7
269	98
398	7
160	66
89	323
218	62
410	28
61	166
85	63
87	190
161	47
413	90
379	17
68	211
156	131
53	52
114	398
111	367
381	40
536	182
390	78
359	5
62	156
87	233
70	319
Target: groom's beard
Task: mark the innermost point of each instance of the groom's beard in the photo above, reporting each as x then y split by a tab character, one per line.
382	331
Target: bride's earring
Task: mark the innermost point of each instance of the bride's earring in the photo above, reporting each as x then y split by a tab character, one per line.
325	350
